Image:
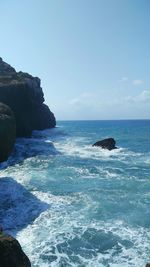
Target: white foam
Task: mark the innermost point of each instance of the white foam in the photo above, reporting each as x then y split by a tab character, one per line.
64	218
17	206
62	224
75	148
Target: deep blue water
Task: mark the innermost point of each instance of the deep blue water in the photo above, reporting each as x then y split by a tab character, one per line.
71	204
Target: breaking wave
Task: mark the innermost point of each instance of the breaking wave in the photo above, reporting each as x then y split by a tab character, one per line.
71	204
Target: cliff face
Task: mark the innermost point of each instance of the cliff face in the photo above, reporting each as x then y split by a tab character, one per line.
23	94
7	131
11	253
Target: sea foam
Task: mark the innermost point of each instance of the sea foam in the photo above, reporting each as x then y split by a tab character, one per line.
71	204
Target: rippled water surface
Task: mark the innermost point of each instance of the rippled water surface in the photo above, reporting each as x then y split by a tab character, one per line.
71	204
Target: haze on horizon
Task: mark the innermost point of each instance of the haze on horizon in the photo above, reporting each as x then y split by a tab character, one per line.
93	56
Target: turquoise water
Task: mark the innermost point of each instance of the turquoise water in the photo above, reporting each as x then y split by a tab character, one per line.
71	204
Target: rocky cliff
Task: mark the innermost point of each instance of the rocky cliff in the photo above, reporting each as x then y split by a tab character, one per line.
11	253
7	131
23	94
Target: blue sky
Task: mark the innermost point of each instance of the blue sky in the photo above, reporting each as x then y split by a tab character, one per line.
93	56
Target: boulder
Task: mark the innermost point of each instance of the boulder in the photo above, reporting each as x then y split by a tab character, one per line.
7	131
11	253
147	265
108	143
23	94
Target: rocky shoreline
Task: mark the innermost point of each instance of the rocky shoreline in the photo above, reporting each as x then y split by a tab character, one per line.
22	107
22	110
11	253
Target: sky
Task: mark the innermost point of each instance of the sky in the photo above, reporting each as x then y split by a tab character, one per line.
92	56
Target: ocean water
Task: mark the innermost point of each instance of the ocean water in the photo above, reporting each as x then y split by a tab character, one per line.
71	204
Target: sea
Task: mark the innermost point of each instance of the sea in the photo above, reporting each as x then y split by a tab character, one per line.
70	204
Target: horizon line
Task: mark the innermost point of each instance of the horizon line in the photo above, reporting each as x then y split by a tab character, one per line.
102	119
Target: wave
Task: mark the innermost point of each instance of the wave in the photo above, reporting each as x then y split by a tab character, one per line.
53	142
78	148
86	206
68	238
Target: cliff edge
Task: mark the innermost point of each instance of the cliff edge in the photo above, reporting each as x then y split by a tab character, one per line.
23	94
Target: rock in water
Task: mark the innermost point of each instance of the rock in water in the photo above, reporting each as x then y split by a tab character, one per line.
11	253
108	143
23	94
7	131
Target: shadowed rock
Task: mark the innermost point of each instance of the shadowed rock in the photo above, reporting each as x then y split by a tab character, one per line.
18	206
108	143
23	94
11	253
7	131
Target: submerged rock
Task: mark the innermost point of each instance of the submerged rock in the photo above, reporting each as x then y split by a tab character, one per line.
23	94
7	131
11	253
108	143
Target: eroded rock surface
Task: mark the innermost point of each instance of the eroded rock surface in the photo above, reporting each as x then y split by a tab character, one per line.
23	94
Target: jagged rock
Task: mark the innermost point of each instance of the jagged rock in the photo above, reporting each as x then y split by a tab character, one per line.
23	94
108	143
7	131
11	253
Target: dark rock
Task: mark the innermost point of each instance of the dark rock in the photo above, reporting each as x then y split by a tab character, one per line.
23	93
108	143
147	265
11	253
7	131
43	118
